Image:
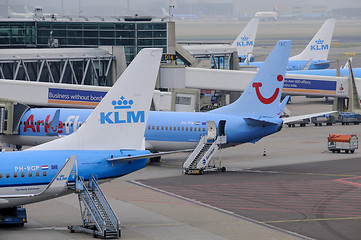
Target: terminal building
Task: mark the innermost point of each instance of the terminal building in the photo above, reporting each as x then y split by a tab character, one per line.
133	33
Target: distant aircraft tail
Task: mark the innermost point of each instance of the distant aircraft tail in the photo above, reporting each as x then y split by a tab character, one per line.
319	46
119	120
245	40
263	94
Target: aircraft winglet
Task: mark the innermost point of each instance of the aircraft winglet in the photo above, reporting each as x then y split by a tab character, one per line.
53	129
58	182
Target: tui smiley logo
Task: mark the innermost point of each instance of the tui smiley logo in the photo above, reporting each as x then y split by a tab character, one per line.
271	99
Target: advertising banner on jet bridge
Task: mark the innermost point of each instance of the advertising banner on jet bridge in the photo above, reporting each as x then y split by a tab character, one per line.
316	86
75	97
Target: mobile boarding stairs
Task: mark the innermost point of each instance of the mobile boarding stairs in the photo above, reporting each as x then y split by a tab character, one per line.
97	216
200	159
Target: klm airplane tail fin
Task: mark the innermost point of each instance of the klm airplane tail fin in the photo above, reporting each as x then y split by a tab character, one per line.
245	40
319	46
263	94
119	120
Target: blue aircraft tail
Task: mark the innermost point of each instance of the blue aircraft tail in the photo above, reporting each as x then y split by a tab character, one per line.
263	94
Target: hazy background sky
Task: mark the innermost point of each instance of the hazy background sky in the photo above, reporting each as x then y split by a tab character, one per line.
225	8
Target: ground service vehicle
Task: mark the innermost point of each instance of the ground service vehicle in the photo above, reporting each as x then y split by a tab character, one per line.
338	142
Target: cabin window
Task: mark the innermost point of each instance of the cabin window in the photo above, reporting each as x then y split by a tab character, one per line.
71	125
157	127
204	129
166	128
178	128
37	174
44	173
15	175
148	127
153	128
1	175
186	128
199	129
170	128
67	124
21	122
162	128
30	174
79	124
182	128
8	175
22	174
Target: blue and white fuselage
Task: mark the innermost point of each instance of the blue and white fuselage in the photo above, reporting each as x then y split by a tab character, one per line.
165	131
30	172
298	64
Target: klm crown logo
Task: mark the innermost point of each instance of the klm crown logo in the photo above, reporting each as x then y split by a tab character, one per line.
244	38
319	45
319	41
244	42
117	117
122	103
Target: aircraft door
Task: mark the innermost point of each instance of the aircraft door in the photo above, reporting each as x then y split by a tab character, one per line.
222	128
212	130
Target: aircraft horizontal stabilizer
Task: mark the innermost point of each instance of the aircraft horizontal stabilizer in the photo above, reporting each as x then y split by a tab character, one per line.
301	117
322	63
150	155
257	122
59	181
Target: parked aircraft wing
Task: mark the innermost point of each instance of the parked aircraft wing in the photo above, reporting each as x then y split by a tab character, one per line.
150	155
297	118
59	181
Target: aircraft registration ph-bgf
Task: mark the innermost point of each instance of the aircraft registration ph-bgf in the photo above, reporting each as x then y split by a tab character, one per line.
106	149
315	55
253	116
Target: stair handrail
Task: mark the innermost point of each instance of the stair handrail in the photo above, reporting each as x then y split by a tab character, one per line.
106	206
209	153
192	156
94	213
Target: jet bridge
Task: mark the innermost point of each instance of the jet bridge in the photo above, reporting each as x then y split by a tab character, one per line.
230	80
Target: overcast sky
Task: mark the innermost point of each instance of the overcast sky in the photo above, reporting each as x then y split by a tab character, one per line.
154	7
